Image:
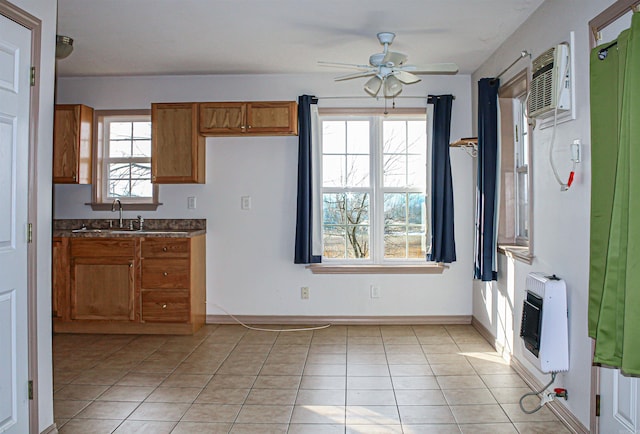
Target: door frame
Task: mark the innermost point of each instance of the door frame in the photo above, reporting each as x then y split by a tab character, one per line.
33	24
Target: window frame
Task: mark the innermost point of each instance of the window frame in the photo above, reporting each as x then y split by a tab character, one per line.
376	262
512	98
99	200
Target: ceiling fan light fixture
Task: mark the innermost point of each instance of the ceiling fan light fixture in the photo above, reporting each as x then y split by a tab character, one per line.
64	46
392	86
373	85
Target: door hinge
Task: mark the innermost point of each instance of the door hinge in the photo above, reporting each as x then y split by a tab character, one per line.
29	232
30	389
597	405
33	76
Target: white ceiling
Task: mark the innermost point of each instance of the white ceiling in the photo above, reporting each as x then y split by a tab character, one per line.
150	37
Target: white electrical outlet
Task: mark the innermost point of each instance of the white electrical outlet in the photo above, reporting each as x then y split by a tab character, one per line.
304	293
191	202
375	291
245	203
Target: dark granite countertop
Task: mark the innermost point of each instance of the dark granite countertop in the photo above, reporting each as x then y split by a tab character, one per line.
94	228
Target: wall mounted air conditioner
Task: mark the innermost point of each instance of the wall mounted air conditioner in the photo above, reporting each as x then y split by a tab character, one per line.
550	83
544	327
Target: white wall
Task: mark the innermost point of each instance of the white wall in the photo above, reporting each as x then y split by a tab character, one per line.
561	219
46	12
250	266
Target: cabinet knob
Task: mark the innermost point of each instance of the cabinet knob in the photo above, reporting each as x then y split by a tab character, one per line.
130	264
165	274
75	177
249	126
164	249
164	305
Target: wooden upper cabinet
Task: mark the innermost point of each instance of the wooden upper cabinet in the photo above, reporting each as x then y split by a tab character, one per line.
270	118
178	150
222	118
72	138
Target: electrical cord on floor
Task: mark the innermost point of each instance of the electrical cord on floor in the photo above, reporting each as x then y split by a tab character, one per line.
304	329
553	378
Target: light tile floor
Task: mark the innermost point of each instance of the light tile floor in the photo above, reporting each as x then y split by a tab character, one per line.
343	379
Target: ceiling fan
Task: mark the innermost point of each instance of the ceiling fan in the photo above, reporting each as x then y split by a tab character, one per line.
388	70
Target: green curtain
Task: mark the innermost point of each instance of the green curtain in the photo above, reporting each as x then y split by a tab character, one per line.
614	275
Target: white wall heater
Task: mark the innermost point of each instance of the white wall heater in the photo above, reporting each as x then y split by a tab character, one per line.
544	327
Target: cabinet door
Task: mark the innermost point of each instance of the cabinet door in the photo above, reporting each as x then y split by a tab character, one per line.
102	289
60	277
222	118
272	118
178	150
72	138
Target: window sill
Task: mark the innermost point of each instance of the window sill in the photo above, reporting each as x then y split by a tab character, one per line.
125	206
428	268
519	253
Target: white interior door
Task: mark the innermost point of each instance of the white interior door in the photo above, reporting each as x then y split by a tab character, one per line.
619	402
15	58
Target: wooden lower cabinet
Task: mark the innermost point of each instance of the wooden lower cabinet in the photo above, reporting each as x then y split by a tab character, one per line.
129	285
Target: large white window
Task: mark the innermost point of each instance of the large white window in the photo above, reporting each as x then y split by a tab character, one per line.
123	169
373	188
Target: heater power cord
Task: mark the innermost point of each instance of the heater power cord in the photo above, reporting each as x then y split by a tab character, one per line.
543	401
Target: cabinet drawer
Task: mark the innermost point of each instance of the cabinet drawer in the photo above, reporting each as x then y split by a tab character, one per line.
102	247
165	306
165	273
165	248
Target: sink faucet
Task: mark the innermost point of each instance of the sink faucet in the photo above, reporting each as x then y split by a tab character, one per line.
113	209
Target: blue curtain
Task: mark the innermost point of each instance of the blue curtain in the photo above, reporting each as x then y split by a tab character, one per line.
443	244
304	216
485	268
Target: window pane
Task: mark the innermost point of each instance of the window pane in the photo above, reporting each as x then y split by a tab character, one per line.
417	137
395	242
417	176
334	240
522	230
119	171
142	148
333	170
120	149
395	209
358	137
119	130
141	130
119	188
416	209
416	243
357	171
334	208
333	137
357	207
358	242
141	171
394	137
395	170
141	188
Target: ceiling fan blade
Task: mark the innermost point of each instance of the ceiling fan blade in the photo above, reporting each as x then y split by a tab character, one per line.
406	77
343	65
356	75
393	58
434	68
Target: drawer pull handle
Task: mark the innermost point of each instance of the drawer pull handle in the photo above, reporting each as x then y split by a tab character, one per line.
165	274
163	305
164	249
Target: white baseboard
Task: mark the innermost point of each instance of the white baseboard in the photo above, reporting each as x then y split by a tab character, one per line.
566	417
339	320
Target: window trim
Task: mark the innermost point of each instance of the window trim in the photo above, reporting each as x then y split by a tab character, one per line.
377	263
508	241
97	201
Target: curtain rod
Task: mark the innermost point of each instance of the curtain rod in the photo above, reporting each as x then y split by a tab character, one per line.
376	98
523	53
